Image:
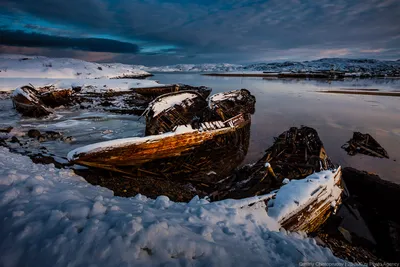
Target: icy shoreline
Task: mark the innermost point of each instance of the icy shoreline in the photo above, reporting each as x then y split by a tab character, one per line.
54	217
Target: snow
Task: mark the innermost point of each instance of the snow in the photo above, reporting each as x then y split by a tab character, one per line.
226	95
353	66
19	91
235	94
180	129
20	66
160	104
52	217
64	73
192	68
298	193
87	85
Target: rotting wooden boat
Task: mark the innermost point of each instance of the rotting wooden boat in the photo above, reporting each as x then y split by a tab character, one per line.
190	107
162	90
27	102
301	205
36	102
296	166
185	150
180	145
364	144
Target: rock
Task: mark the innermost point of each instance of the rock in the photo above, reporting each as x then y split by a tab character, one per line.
52	135
373	191
346	234
3	143
377	200
33	133
6	130
14	139
68	139
42	138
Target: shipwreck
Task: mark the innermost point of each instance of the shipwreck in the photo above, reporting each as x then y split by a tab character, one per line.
295	180
39	102
190	139
187	136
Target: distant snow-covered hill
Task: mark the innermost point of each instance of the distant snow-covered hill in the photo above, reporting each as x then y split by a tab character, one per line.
371	66
365	66
20	66
193	68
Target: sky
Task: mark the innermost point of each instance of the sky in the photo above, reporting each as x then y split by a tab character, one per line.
154	32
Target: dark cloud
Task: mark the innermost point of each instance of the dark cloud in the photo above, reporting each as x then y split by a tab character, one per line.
233	31
20	38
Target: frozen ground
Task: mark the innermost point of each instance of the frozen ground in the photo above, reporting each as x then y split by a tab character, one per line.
20	66
52	217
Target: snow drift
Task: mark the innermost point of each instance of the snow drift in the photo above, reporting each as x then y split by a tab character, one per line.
55	218
20	66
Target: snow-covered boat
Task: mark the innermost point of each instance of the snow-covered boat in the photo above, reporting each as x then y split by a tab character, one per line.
132	98
27	102
301	185
184	135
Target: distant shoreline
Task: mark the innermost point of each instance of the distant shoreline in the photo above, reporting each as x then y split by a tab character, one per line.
395	94
292	75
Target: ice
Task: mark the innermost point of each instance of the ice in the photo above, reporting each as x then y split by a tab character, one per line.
73	223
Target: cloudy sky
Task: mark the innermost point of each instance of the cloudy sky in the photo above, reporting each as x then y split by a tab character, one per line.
155	32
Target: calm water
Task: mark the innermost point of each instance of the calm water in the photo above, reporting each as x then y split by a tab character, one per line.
280	104
285	103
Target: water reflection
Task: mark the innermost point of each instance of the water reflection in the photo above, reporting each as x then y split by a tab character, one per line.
290	102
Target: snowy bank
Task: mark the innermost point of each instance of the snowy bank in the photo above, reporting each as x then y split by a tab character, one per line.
20	66
87	85
53	217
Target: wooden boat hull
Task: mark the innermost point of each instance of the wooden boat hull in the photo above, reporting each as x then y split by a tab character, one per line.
191	107
309	216
156	91
162	90
173	155
28	104
297	154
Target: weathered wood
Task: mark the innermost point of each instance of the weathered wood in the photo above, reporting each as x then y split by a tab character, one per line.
188	153
364	144
287	159
318	209
162	90
57	98
193	108
27	102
